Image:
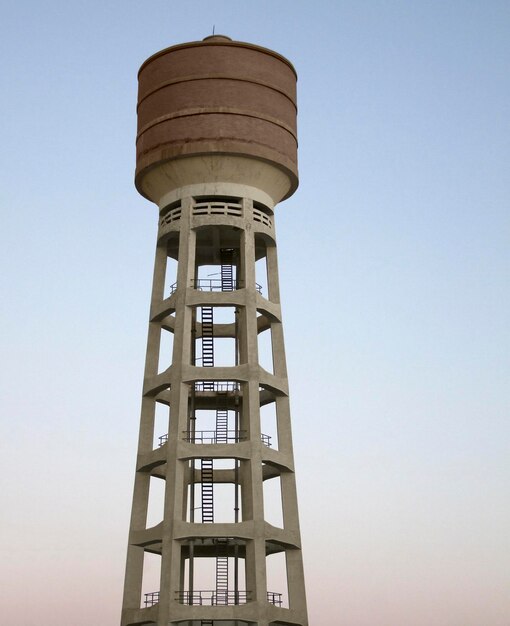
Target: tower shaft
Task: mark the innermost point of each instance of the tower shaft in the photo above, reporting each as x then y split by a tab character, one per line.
225	458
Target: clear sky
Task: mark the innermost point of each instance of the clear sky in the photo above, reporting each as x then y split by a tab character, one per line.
395	272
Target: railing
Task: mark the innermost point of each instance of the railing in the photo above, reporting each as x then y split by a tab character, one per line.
213	598
216	207
213	284
216	385
151	598
259	216
216	284
233	209
266	439
213	436
171	216
274	598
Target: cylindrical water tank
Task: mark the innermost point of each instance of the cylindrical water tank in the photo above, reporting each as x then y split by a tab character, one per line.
206	107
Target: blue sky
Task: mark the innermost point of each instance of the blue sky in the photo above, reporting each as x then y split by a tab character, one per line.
395	269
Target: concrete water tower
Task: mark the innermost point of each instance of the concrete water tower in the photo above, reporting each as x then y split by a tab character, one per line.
216	151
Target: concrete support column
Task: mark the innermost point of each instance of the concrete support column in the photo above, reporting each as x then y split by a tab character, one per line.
135	556
272	274
176	470
253	485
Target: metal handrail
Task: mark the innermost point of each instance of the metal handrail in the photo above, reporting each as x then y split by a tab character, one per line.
213	598
207	597
151	598
212	436
213	284
266	439
274	598
217	385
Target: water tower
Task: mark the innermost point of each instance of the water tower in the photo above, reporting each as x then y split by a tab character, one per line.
216	151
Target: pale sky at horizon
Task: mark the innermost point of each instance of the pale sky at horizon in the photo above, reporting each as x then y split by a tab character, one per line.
394	270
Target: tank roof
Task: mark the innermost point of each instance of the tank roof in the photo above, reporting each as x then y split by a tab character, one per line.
218	40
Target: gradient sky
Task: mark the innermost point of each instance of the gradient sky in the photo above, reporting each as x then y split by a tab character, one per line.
395	272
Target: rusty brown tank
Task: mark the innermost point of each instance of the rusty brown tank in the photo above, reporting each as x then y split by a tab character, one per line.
216	97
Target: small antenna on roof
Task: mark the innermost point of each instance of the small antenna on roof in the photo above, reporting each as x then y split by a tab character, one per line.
213	28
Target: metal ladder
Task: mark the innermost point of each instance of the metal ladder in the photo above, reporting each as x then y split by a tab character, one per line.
207	473
221	426
227	284
222	580
207	482
222	573
206	465
207	342
227	269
